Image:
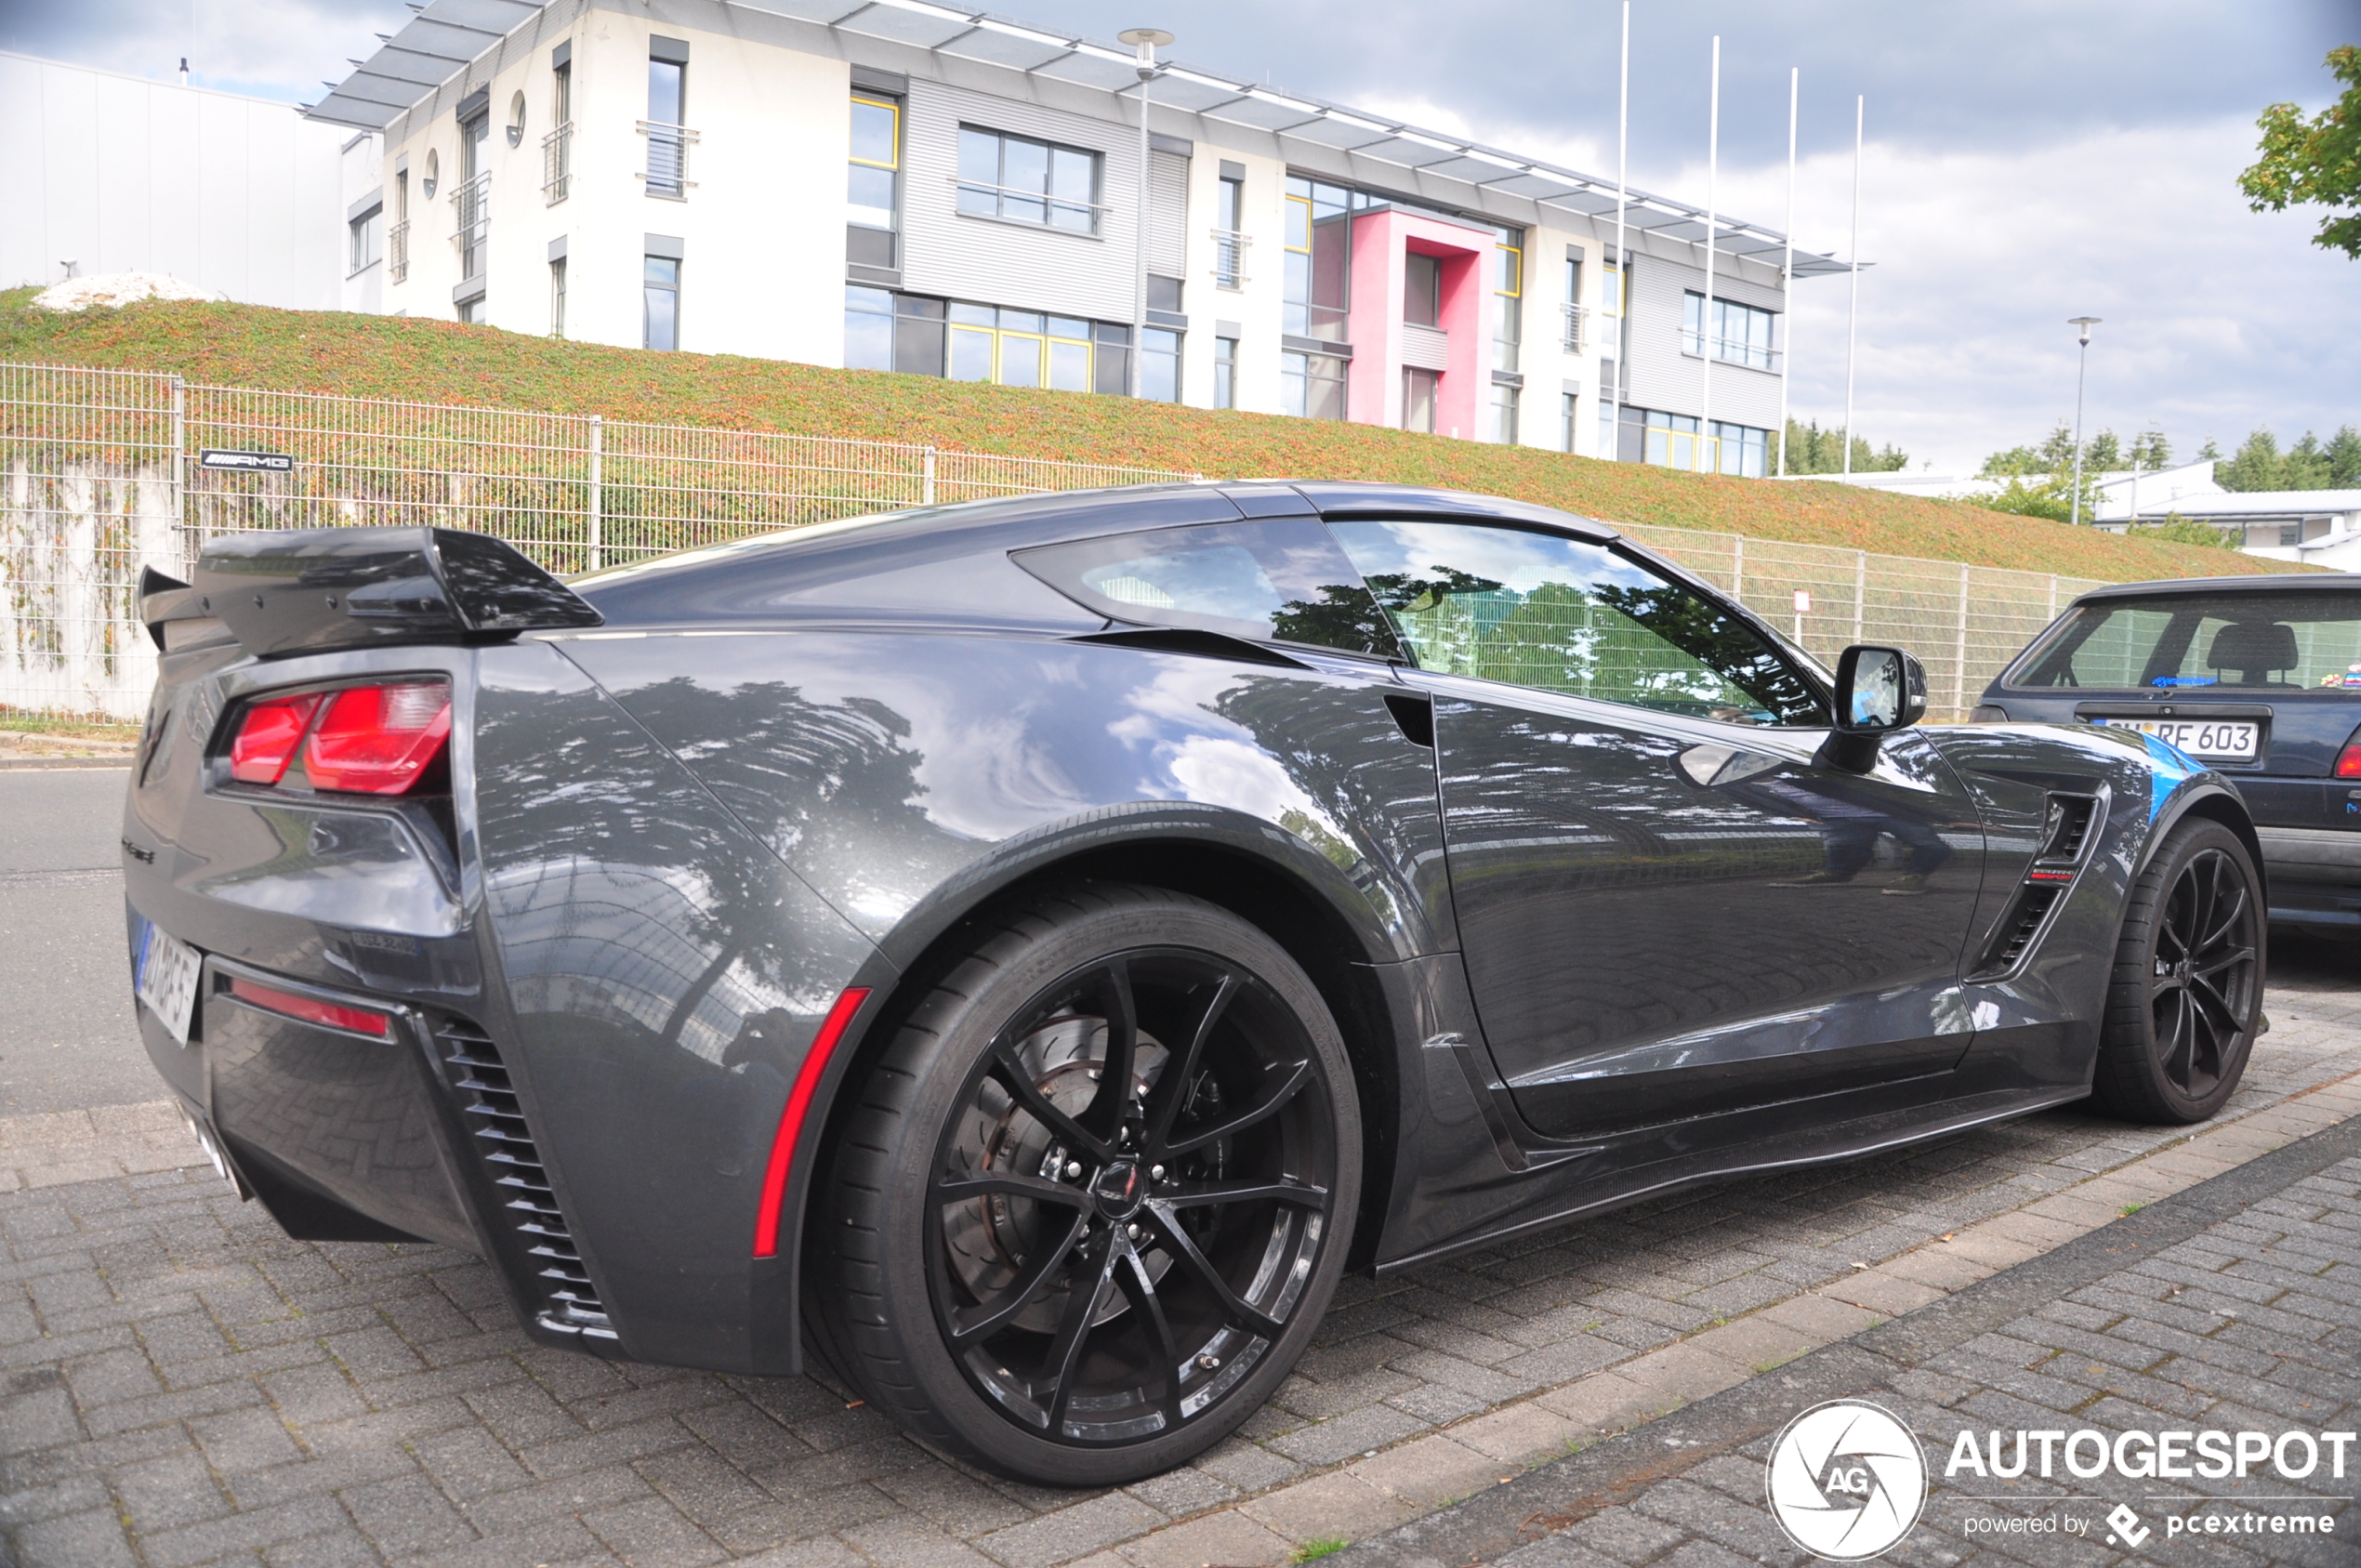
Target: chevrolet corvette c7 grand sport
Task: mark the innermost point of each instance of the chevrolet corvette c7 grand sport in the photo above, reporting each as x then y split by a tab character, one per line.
1025	951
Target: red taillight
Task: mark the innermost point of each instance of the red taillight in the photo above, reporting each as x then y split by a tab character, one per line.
269	998
2349	760
376	740
267	738
807	1084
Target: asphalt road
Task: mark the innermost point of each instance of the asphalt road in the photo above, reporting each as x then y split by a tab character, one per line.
67	1037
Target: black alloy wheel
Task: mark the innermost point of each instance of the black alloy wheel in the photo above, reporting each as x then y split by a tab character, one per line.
2187	992
1116	1185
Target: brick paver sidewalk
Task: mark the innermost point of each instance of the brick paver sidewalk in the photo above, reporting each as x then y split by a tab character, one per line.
2232	1307
184	1385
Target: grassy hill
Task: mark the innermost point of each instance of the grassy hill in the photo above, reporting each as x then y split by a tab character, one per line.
441	361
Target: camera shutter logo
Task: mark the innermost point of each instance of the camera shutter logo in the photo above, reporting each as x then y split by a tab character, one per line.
1846	1481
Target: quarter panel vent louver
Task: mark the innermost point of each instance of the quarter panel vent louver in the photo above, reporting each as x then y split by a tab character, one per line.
2068	831
496	1122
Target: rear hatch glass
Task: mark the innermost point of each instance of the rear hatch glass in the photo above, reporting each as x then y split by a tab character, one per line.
2234	641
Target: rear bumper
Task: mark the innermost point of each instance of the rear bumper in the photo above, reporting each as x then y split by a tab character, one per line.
2314	876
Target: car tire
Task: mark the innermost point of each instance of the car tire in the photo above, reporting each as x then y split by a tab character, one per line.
2185	1001
1076	1287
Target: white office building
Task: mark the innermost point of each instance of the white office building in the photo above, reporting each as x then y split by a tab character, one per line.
239	197
897	186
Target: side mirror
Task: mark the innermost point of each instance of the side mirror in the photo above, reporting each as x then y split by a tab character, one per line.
1878	691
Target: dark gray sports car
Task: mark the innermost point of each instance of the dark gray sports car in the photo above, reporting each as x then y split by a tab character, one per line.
1030	949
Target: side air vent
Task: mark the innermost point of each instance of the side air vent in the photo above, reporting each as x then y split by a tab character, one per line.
2067	829
488	1102
2015	938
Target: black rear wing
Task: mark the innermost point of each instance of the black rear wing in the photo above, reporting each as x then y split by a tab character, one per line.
304	590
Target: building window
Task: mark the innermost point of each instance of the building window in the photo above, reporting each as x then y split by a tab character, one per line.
1674	440
398	237
1567	410
556	148
470	311
1422	290
1502	415
1229	237
1741	334
1027	349
558	297
888	330
660	318
1318	289
876	166
1574	309
1225	373
666	126
362	251
1160	365
1311	385
1507	288
471	199
1027	181
1418	388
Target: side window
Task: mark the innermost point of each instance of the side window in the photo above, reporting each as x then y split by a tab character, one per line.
1562	616
1279	581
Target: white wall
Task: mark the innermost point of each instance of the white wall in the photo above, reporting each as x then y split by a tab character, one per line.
234	195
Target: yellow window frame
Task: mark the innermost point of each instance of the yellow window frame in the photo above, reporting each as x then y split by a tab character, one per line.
895	110
1304	221
1040	341
1515	254
1610	289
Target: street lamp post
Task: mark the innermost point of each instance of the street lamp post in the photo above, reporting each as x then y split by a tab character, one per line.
2081	374
1147	40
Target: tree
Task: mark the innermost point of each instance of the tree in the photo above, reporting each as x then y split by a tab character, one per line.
1812	450
2178	529
2103	454
2316	161
2208	452
2344	458
2307	467
2150	451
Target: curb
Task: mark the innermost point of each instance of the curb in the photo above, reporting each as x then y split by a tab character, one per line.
1565	1490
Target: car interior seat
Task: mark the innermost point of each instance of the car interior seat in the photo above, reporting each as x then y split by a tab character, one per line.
2253	649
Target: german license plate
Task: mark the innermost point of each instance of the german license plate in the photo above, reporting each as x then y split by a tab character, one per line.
2232	739
167	977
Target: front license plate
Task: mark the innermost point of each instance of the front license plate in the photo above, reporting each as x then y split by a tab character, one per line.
2232	739
168	983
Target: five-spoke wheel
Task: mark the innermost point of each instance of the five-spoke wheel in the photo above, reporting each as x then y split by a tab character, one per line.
1110	1164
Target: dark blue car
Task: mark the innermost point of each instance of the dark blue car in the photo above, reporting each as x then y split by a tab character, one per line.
2257	678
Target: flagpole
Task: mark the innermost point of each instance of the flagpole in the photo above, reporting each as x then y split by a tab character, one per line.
1787	275
1705	308
1622	262
1853	309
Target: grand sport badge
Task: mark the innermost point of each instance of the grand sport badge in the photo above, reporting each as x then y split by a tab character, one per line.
1846	1481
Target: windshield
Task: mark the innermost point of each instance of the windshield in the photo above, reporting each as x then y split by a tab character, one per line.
2246	641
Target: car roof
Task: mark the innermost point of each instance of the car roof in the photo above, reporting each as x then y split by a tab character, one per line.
2272	583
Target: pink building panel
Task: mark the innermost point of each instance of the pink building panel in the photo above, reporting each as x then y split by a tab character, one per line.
1380	242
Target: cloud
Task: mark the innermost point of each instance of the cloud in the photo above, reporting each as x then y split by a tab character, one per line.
281	49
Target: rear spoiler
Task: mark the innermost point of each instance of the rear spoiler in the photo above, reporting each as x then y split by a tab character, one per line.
303	590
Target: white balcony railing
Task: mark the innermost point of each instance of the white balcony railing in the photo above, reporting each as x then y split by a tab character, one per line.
398	251
667	170
557	164
1577	328
471	222
1229	257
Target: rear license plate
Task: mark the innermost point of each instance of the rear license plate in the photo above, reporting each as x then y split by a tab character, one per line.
2231	740
167	982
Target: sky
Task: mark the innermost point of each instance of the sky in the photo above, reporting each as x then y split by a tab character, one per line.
2026	162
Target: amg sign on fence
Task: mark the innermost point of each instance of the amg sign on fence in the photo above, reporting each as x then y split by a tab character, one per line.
246	462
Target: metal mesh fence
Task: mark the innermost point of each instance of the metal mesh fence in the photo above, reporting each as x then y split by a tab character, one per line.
106	471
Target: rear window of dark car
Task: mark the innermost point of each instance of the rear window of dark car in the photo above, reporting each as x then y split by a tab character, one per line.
2244	641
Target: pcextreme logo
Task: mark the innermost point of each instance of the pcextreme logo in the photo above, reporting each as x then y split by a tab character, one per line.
1846	1481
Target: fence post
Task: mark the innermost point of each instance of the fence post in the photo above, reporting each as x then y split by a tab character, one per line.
1860	589
1959	663
926	485
1738	569
2053	595
180	453
597	481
